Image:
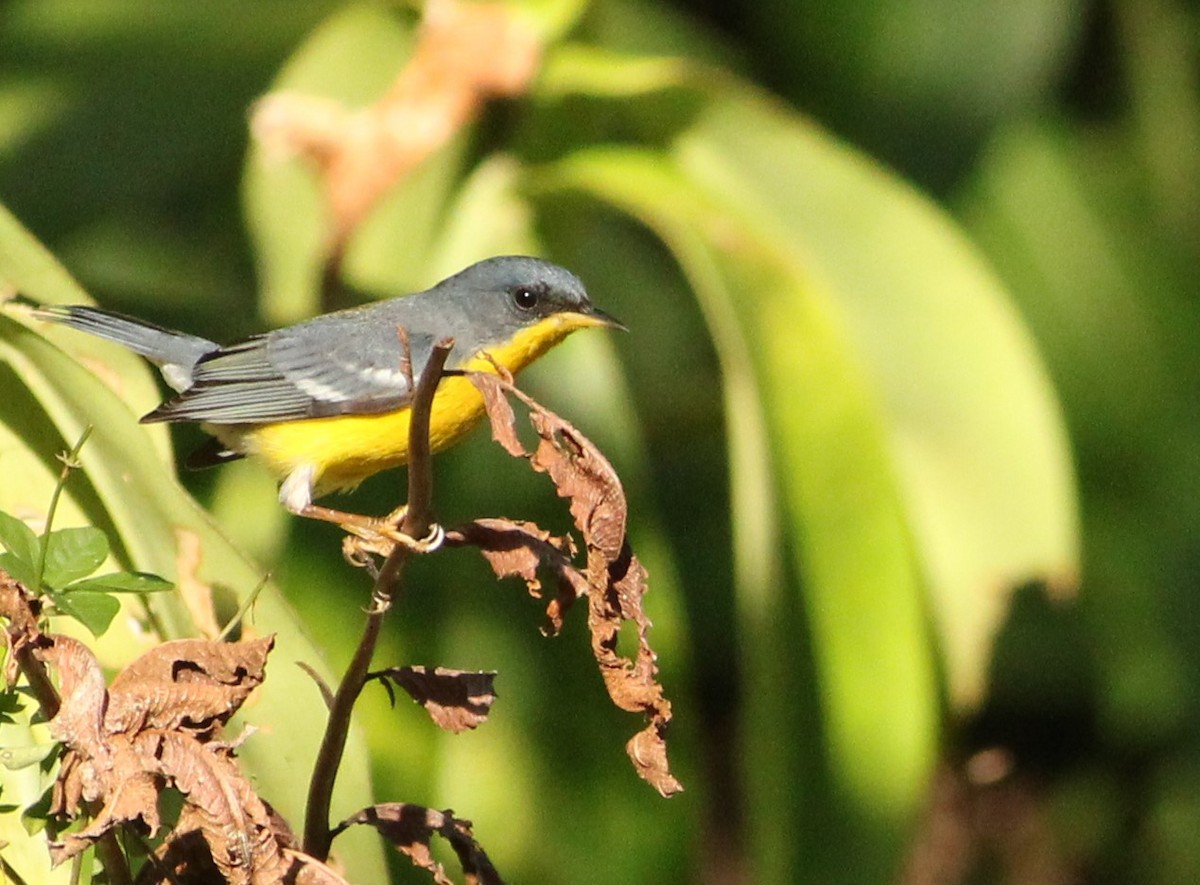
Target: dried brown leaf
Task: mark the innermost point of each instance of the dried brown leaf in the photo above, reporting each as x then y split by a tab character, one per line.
411	828
189	684
578	469
615	579
632	685
583	476
129	789
152	728
20	610
456	700
648	750
79	722
305	870
519	549
222	805
500	412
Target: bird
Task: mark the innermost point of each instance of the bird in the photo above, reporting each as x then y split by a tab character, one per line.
326	403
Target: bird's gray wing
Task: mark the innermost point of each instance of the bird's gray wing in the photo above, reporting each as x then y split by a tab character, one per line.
340	364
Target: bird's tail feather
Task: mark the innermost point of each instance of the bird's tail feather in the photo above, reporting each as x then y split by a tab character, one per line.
173	352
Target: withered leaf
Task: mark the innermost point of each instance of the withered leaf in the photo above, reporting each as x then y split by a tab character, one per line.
578	469
153	728
305	870
614	579
519	549
20	609
223	806
80	718
189	684
411	828
129	788
456	700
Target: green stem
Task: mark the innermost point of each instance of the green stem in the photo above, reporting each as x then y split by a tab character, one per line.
70	462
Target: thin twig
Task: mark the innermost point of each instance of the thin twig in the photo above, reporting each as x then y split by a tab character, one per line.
108	849
70	461
416	524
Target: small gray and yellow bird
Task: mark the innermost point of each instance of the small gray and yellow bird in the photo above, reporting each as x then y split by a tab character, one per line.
326	403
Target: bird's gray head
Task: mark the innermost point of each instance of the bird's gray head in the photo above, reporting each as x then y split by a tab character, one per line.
515	298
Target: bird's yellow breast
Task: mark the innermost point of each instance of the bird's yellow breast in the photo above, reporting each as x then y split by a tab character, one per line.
346	449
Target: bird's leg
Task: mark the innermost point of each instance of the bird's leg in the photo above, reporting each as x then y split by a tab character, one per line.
377	534
369	534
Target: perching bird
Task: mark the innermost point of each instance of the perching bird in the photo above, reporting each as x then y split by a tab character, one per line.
325	403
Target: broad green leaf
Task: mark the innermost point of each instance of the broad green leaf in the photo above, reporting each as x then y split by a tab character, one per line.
971	424
593	70
153	524
19	539
883	396
26	852
14	758
486	217
73	553
19	569
123	582
551	18
94	610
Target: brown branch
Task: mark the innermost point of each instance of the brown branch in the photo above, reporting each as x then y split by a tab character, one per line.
417	522
24	637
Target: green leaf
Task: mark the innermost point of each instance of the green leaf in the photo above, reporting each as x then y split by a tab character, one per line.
73	553
19	569
19	539
14	758
123	582
94	610
893	438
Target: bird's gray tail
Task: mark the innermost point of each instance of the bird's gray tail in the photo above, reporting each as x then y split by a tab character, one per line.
175	353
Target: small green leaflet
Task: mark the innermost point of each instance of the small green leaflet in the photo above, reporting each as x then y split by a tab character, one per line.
123	582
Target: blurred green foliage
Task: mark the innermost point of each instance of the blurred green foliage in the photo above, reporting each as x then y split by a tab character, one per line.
837	434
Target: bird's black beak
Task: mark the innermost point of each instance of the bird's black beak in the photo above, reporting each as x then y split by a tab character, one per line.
596	317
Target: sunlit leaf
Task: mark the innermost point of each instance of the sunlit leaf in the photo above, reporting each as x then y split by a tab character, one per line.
866	351
19	539
94	610
73	553
123	582
19	569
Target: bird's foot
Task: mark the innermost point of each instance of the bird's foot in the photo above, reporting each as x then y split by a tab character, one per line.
368	536
362	542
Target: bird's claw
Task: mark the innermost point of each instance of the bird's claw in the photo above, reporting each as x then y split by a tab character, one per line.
361	543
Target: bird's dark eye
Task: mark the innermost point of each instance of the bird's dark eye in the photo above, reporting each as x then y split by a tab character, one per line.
525	298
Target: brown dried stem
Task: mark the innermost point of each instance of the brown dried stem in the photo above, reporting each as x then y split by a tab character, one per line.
416	524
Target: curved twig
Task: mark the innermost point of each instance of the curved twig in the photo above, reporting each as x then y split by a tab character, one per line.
416	524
